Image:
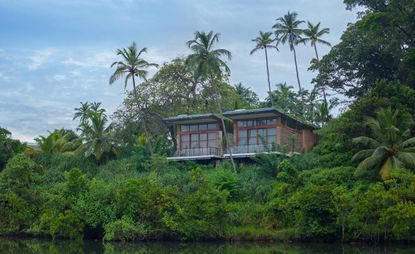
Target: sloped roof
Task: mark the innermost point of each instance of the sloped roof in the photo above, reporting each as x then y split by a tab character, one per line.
241	112
190	118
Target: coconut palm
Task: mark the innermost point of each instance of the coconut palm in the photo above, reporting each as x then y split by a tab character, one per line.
208	65
390	147
97	135
59	141
288	32
264	41
82	112
132	66
313	35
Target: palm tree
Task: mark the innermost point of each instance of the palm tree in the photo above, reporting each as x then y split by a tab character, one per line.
59	141
391	146
97	135
132	66
287	31
322	113
82	112
264	41
246	94
313	35
208	65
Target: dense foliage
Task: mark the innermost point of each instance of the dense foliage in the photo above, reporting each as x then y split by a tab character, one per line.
112	180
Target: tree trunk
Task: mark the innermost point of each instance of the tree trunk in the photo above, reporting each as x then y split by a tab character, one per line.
298	80
269	82
318	68
224	127
150	146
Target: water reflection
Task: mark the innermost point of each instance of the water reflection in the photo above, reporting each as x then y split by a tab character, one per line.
20	246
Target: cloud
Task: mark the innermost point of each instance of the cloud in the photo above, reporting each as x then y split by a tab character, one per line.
59	77
40	57
100	60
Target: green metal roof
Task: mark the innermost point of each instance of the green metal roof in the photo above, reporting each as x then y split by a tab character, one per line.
181	118
267	110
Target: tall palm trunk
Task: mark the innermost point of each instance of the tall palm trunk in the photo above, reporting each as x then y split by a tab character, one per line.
150	146
298	80
225	133
269	82
318	67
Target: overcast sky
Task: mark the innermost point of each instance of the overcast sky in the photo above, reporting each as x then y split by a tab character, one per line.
55	54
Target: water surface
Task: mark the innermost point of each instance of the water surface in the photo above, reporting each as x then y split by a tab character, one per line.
23	246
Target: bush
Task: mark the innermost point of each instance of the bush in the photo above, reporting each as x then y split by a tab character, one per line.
124	230
21	194
67	225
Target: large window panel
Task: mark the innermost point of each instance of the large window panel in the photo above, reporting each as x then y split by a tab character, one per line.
202	127
212	143
212	126
185	137
242	141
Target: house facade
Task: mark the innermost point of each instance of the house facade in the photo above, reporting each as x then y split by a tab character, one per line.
264	130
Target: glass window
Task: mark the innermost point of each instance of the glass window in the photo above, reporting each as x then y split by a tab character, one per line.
203	143
194	144
242	133
212	126
193	127
272	121
252	133
212	136
242	141
272	139
185	137
262	132
203	136
252	140
202	127
185	145
212	143
184	127
262	122
272	131
194	137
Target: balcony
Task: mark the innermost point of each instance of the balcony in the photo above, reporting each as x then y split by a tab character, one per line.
197	154
245	151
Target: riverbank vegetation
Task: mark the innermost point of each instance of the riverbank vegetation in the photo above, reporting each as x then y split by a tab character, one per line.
111	179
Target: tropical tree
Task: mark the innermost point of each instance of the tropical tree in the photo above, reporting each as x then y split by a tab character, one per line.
322	113
264	41
97	135
8	147
313	35
59	141
247	95
83	111
391	145
285	99
208	65
288	32
130	67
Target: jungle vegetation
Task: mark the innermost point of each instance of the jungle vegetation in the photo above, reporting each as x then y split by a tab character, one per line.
110	179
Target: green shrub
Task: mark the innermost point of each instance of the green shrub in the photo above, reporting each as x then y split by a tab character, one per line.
67	225
20	193
124	230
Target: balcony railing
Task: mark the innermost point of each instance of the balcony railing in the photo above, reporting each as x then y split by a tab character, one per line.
209	151
252	149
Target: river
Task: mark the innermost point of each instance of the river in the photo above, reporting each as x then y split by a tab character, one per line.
23	246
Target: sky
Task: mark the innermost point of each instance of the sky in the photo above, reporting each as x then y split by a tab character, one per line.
56	53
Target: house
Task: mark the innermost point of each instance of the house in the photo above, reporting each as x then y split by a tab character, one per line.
200	137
